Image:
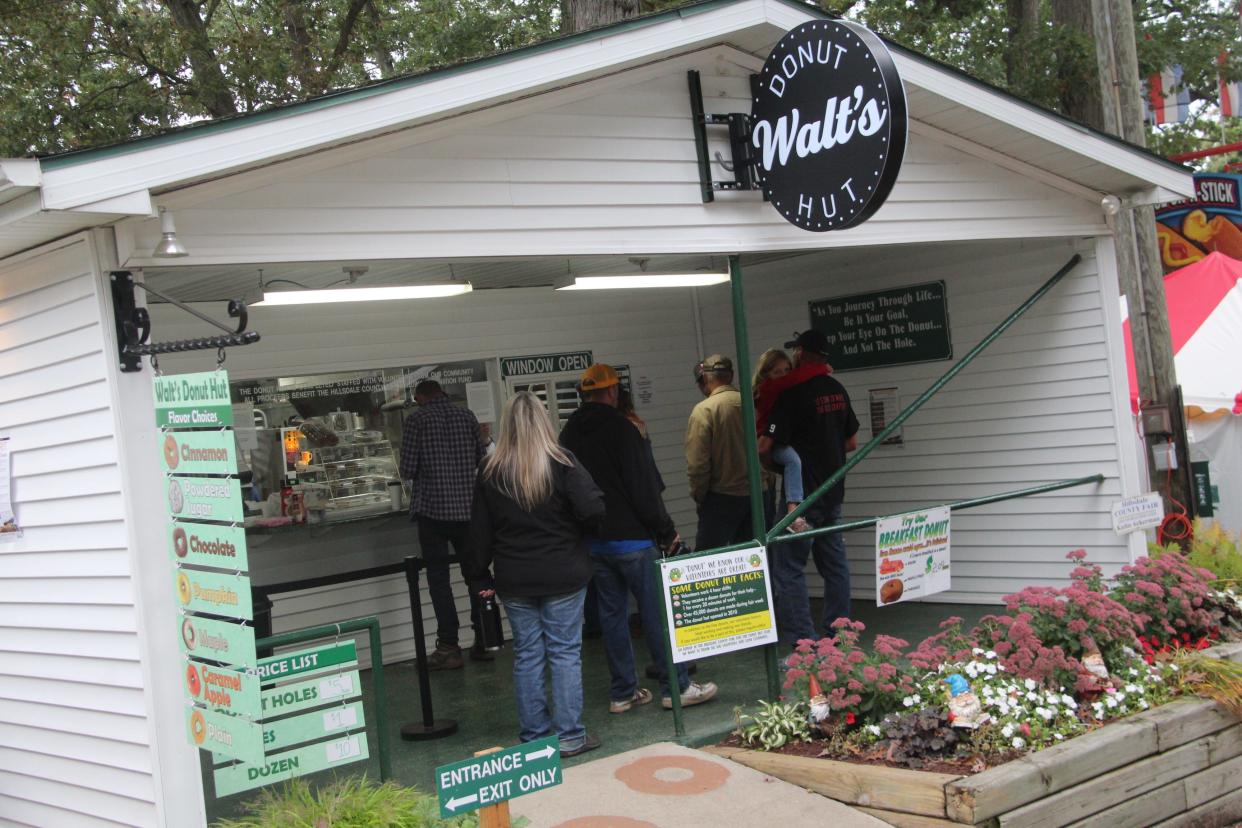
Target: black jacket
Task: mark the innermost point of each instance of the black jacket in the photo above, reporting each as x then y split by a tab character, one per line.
613	451
536	553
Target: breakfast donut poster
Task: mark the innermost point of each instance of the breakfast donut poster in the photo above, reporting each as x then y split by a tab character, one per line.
911	555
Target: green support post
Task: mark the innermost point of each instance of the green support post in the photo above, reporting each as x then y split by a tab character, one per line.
674	686
741	343
858	456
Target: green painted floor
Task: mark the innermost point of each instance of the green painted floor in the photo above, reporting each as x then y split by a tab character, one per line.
478	698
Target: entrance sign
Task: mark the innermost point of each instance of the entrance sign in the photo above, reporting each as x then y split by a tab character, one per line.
1134	513
229	691
718	603
305	662
829	125
495	777
231	735
193	400
289	698
912	555
537	364
242	777
898	326
207	544
223	641
214	592
199	452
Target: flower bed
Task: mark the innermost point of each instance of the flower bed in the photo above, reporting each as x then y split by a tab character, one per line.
1004	724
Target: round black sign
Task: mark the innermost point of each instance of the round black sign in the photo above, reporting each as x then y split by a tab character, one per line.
829	129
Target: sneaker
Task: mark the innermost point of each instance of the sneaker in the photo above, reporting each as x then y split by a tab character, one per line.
591	743
799	525
480	653
696	693
445	657
641	696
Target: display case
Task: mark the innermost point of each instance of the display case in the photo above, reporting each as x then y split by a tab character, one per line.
359	475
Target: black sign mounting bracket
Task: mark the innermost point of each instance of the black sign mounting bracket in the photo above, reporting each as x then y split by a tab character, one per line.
741	163
133	325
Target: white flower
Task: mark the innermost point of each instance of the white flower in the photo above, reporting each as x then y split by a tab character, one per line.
1120	697
1018	742
1143	704
918	699
977	651
1030	684
972	670
1007	731
987	691
874	730
1110	701
1046	713
1068	701
1003	708
1032	697
1132	688
1057	736
1133	672
991	668
1052	699
990	654
907	702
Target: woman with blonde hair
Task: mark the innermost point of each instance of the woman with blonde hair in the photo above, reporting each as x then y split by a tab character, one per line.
532	504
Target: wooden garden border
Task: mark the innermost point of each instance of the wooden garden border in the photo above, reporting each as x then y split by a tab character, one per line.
1177	765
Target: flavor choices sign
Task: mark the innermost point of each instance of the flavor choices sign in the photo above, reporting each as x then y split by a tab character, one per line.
193	400
718	603
829	119
498	776
898	326
912	555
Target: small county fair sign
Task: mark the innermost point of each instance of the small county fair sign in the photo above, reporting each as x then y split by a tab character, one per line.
829	124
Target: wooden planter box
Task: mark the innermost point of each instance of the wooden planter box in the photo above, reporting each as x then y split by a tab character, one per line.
1179	764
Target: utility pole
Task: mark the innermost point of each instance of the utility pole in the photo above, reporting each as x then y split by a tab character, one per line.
1141	272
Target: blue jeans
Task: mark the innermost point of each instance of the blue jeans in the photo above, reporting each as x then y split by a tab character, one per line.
791	471
793	606
616	578
547	633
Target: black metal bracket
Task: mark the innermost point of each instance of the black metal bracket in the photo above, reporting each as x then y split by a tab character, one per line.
133	325
742	164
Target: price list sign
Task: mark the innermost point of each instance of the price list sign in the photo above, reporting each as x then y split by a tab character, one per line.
207	547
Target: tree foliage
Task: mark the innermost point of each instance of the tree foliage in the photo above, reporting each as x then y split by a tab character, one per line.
88	72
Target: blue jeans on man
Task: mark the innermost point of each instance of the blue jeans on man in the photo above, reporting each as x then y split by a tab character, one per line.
547	633
617	576
793	608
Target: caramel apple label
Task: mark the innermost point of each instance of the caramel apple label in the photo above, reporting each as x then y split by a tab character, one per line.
828	125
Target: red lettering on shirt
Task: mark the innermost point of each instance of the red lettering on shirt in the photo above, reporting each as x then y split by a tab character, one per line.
830	403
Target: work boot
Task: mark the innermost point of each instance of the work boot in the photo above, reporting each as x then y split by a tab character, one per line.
445	657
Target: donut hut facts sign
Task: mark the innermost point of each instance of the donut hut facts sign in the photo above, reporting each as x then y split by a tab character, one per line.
207	546
829	125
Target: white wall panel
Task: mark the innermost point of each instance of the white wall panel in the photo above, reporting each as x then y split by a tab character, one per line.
73	722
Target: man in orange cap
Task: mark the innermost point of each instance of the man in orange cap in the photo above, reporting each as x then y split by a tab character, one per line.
636	528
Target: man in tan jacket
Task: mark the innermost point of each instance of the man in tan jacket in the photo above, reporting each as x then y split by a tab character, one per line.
716	457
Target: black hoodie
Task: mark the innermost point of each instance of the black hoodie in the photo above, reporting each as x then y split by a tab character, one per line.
611	449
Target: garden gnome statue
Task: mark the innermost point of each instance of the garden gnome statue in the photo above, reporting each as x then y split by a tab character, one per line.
964	707
820	709
1093	663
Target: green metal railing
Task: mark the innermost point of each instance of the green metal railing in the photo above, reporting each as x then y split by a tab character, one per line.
371	625
778	534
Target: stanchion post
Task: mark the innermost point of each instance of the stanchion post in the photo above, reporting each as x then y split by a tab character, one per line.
429	727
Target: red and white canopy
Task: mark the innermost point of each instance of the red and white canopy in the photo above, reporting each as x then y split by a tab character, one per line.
1205	321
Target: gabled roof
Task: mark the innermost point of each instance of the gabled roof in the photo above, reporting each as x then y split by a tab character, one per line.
104	183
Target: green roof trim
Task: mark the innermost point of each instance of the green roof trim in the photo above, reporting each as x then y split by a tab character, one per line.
195	130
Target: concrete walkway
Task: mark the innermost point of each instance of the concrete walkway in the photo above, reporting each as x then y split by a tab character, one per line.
669	786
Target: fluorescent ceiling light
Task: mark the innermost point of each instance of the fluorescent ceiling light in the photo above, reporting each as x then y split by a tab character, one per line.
368	294
642	280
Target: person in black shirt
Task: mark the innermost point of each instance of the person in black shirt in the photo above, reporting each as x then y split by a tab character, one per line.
815	418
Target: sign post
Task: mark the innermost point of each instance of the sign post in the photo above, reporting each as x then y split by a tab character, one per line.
495	776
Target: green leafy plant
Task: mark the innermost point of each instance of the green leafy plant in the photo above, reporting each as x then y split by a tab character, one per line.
915	737
352	802
1213	549
774	725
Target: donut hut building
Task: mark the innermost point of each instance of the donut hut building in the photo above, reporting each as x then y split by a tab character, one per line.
619	153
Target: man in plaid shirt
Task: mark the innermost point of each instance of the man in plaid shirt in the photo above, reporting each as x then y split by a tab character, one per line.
441	446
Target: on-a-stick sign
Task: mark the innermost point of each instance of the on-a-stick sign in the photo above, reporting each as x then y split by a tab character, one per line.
829	125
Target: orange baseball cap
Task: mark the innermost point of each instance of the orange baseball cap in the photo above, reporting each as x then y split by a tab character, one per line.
598	376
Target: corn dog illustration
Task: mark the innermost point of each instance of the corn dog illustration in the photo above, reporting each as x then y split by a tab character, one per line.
1175	250
1219	233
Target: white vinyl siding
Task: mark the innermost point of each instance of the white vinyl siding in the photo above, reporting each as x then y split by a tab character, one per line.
74	746
607	166
1036	407
653	334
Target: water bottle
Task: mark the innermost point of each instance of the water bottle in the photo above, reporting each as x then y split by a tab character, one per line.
489	623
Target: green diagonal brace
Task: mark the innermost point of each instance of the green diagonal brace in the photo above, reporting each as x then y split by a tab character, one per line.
858	456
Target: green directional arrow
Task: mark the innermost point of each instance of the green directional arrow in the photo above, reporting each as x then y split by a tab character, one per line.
495	777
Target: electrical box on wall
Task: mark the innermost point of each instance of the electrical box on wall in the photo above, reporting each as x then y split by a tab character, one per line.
1165	456
1157	421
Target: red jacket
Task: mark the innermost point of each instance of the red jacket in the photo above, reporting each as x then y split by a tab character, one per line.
768	391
